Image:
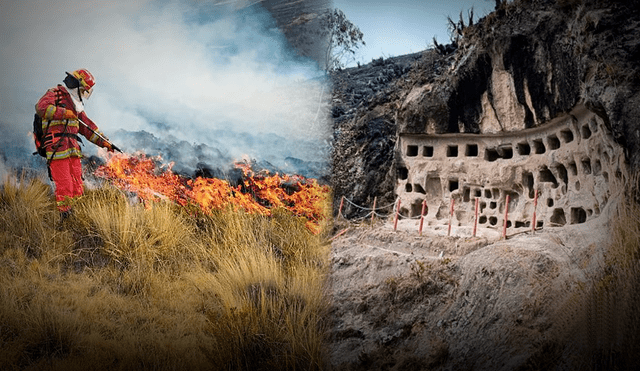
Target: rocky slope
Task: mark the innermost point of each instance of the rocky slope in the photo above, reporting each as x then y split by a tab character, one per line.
432	302
407	302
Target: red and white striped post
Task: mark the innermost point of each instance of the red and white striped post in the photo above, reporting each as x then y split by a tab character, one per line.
424	207
395	218
340	208
475	223
506	216
535	206
450	217
373	210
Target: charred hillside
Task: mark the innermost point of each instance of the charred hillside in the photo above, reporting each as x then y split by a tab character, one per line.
519	67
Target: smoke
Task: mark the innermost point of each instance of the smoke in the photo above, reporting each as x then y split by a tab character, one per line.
183	70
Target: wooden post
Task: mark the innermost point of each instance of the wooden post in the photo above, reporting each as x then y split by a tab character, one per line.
373	210
424	206
475	223
340	208
535	206
395	219
450	217
506	216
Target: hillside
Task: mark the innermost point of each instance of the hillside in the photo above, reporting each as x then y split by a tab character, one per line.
538	100
555	56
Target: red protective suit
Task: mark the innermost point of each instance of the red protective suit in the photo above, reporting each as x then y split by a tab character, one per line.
60	124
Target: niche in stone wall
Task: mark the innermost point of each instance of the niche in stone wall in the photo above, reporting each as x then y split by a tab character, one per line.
573	168
586	166
505	152
453	185
553	142
471	150
597	167
427	151
412	151
538	147
452	151
566	135
527	181
562	172
466	194
578	215
403	173
546	176
524	149
558	217
585	131
491	154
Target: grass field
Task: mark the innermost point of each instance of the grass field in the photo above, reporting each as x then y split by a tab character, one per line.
124	286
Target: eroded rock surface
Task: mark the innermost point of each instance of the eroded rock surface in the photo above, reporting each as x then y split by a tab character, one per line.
540	96
403	301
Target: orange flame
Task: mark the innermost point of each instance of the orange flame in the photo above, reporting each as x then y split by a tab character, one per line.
259	193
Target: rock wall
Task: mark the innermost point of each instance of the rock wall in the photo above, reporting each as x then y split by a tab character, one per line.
521	67
565	170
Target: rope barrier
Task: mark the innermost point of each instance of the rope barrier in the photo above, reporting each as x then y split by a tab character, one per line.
367	208
373	212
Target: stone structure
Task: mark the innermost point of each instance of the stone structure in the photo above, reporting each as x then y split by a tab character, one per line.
572	161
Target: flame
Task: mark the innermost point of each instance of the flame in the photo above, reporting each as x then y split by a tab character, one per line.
259	193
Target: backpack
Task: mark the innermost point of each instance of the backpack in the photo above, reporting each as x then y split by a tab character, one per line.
39	135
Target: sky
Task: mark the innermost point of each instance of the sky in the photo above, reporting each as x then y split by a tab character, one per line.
393	28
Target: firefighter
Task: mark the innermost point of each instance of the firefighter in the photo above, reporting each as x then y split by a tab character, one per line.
61	110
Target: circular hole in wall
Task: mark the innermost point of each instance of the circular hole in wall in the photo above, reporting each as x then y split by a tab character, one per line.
586	132
493	220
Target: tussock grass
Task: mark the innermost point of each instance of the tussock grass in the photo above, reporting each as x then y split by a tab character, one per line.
122	286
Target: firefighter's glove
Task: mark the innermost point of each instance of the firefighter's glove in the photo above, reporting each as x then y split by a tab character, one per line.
69	115
109	147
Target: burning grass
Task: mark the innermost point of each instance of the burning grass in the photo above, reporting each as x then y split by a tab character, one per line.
258	193
164	285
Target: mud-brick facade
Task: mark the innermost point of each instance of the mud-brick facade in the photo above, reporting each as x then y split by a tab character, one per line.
572	161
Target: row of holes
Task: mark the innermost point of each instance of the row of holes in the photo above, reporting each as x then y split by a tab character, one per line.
545	175
506	151
578	216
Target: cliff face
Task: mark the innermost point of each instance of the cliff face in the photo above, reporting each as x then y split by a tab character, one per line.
525	64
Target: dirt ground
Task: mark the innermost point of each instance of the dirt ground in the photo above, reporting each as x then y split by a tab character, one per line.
401	301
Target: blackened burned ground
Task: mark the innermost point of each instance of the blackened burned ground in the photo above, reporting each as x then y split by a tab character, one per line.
364	129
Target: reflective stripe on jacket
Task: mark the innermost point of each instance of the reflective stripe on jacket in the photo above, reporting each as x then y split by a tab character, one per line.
52	108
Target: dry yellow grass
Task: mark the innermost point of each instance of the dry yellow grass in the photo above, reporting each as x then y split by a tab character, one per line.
120	286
